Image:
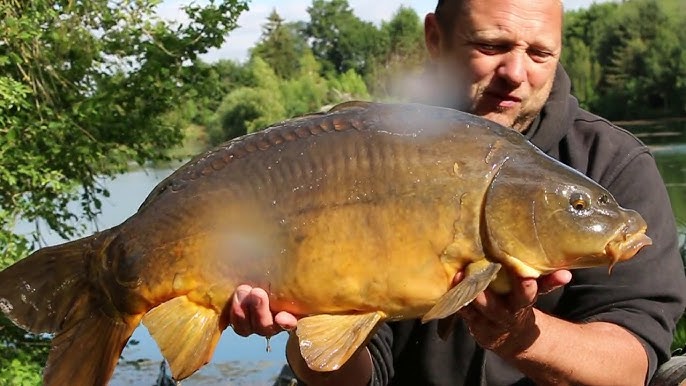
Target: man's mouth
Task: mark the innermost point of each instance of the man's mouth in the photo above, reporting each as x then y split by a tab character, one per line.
503	100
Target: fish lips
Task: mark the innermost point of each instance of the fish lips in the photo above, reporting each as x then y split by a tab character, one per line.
625	244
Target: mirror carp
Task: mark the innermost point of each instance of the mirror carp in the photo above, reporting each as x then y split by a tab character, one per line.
349	218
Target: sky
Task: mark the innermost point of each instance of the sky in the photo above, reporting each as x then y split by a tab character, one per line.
250	22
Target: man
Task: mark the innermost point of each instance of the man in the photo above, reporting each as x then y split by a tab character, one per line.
500	59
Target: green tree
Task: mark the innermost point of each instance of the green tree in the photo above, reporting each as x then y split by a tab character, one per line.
83	89
307	91
402	53
347	86
209	83
339	39
268	98
583	69
249	108
281	46
626	60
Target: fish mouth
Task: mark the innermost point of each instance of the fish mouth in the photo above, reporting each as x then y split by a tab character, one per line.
626	244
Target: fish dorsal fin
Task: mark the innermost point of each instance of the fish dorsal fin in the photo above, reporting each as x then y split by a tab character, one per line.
478	276
349	105
328	341
186	333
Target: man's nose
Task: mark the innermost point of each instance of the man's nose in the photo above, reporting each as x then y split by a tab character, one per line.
513	67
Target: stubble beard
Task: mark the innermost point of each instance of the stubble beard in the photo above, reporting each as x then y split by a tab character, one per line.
498	114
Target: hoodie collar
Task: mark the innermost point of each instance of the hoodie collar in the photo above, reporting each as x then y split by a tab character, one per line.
557	116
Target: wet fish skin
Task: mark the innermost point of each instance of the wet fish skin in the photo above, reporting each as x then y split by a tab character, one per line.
357	216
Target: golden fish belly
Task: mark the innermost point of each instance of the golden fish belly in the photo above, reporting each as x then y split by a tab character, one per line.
367	256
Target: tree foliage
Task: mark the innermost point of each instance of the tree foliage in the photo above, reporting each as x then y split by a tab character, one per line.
249	108
266	98
281	46
402	53
83	89
628	60
339	39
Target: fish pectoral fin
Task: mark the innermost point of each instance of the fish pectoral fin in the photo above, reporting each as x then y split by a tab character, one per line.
328	341
478	276
186	333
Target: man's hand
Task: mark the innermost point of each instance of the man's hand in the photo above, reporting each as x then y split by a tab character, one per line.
506	324
250	313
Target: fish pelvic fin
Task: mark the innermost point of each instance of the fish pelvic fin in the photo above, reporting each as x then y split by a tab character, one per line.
478	275
328	341
51	291
187	334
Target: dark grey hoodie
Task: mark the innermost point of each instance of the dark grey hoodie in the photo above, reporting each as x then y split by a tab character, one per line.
646	294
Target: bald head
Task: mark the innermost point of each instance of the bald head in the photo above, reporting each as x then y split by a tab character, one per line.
449	11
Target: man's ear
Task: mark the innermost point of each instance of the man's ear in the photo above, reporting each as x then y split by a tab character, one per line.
432	35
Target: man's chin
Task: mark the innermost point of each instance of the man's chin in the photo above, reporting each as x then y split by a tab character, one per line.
500	117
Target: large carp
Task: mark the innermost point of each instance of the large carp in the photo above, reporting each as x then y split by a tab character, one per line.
350	218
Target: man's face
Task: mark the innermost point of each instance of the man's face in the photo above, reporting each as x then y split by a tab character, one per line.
499	59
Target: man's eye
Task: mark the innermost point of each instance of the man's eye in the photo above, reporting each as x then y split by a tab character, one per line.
490	48
540	55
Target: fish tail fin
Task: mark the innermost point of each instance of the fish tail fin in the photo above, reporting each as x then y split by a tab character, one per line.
51	291
40	291
87	351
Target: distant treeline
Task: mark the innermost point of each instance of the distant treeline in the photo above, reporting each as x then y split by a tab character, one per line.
626	60
296	68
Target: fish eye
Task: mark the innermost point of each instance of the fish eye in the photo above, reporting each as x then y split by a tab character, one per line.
578	201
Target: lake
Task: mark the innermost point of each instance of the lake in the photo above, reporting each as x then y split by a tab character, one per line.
245	361
668	144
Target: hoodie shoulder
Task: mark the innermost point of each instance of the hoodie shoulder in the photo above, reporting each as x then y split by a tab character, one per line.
604	147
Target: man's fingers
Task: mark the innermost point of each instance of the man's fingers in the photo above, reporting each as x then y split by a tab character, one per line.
240	312
261	318
458	277
490	307
523	294
553	281
286	321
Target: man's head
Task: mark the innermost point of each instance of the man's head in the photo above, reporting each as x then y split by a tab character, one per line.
496	58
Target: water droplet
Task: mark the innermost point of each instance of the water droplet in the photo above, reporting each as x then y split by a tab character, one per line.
305	343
